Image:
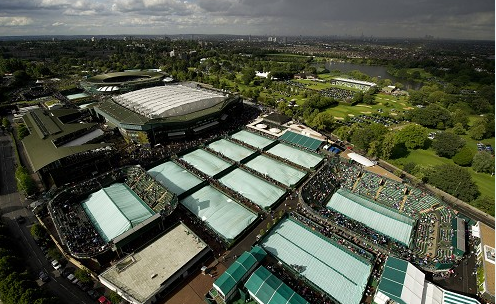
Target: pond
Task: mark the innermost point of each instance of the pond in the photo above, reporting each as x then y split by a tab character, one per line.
372	71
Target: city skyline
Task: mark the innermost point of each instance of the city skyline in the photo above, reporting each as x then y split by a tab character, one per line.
384	18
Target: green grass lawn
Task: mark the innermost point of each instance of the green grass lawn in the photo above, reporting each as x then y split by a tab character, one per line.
485	182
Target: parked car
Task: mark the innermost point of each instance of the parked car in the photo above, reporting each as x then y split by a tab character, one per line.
72	279
104	300
44	276
56	265
93	294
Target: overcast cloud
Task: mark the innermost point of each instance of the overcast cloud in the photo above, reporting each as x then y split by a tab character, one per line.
379	18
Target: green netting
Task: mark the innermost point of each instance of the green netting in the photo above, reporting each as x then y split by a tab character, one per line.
222	214
230	149
373	215
206	162
269	289
297	156
252	187
174	177
301	140
115	209
321	261
252	139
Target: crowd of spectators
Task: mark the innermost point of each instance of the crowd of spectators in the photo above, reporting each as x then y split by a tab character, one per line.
154	194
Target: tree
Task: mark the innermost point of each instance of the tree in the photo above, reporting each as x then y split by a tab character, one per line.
454	180
22	131
447	144
477	131
25	182
432	116
38	231
362	137
413	136
323	121
82	275
464	157
460	116
5	123
483	162
248	75
485	204
458	129
343	133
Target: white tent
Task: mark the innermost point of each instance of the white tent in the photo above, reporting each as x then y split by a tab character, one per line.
361	159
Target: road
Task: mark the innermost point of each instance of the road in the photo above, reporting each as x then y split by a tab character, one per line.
12	204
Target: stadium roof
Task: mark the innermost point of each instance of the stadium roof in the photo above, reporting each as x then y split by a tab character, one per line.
301	140
46	128
361	159
168	101
239	270
142	274
115	209
367	83
126	76
405	284
402	282
266	288
321	260
378	217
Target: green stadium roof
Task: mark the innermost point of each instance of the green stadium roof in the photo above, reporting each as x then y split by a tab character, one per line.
323	260
239	270
301	140
48	128
401	281
378	217
266	288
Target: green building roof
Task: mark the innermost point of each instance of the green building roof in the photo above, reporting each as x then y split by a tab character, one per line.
266	288
233	275
401	281
301	140
48	131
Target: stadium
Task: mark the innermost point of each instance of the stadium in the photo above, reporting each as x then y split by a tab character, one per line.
155	114
109	211
121	82
388	213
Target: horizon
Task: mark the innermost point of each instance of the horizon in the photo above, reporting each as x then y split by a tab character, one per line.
443	19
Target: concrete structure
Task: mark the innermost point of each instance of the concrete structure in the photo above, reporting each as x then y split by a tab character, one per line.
144	276
486	258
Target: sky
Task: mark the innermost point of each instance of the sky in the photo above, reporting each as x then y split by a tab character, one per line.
455	19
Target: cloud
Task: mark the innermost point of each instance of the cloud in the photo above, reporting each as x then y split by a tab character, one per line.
15	21
407	18
58	24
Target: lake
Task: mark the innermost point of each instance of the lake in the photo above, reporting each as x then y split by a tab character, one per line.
372	71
